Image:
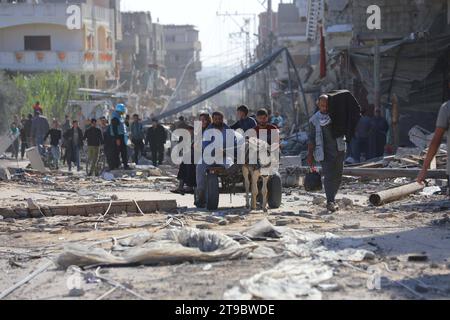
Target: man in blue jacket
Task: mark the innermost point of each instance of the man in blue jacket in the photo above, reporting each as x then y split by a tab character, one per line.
118	132
202	167
244	121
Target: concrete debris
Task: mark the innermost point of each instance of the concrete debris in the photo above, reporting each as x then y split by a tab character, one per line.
36	160
429	191
318	201
292	279
5	175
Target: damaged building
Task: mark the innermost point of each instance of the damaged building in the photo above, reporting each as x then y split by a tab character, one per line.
34	38
402	68
183	60
142	54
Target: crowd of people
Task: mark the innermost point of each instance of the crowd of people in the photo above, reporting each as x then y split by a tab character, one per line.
370	137
68	140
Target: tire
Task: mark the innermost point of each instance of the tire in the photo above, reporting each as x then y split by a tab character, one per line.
275	191
212	192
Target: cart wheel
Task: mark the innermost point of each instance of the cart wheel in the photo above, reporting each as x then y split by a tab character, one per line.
212	192
275	191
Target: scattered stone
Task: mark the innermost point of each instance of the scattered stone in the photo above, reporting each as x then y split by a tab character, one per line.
233	218
214	219
434	266
351	226
328	218
207	267
325	287
76	293
318	201
385	216
223	222
114	197
296	199
283	222
418	258
306	215
411	216
1	217
204	226
346	203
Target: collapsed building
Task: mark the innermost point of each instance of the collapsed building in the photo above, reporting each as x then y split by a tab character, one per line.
402	68
142	53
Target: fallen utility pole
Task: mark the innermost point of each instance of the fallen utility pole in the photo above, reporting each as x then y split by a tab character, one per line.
387	173
384	173
391	195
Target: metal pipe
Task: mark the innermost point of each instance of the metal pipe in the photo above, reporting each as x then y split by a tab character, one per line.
391	195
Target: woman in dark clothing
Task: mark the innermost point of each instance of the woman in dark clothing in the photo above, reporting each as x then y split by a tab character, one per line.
187	172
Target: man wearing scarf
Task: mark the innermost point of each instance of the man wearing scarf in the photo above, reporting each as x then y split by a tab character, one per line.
330	152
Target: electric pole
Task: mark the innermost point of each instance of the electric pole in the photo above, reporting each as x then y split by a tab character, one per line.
244	32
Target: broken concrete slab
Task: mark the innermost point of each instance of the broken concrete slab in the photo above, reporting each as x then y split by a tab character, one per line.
5	175
36	160
88	209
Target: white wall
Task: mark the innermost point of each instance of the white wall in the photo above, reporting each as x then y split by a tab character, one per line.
62	39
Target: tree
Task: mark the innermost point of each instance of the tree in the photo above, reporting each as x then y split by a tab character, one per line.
53	90
11	100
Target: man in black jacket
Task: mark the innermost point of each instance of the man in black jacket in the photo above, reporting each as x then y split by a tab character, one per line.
94	137
25	134
55	138
157	137
73	139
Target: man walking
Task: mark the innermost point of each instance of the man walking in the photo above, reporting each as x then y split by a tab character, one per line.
137	137
55	135
379	130
94	137
25	134
74	142
360	144
442	127
15	132
329	151
156	138
39	128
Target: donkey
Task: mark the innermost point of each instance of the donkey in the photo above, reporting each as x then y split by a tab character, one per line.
253	173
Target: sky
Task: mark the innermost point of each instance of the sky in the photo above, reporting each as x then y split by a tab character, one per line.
219	50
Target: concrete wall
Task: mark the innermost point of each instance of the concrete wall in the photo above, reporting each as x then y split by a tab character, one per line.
62	39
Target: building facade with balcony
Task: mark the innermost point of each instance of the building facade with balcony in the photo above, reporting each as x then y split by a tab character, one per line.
36	37
183	59
141	53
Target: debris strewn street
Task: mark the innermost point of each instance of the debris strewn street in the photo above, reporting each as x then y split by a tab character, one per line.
397	251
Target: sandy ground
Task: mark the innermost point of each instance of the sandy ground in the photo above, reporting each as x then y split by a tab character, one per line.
416	226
